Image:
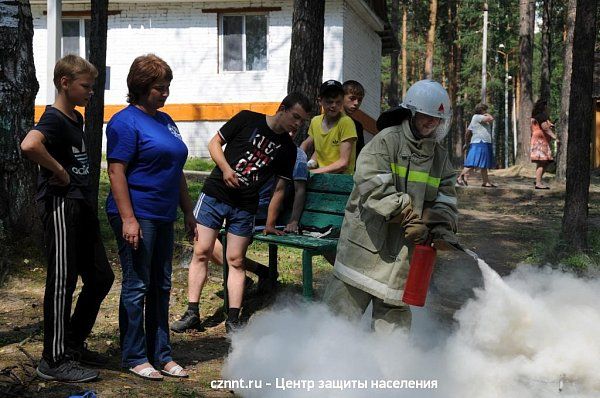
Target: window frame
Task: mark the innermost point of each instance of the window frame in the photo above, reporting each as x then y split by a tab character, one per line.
83	50
82	45
221	61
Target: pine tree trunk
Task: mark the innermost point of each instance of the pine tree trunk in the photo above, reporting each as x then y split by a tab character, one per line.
393	87
94	112
546	46
306	52
527	16
18	87
574	223
455	141
563	126
430	39
415	73
404	52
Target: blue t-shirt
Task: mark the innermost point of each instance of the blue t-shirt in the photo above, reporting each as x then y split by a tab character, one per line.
155	154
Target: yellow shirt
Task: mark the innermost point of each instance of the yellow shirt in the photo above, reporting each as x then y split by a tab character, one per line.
327	145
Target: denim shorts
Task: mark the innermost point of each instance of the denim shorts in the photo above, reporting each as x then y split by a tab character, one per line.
211	213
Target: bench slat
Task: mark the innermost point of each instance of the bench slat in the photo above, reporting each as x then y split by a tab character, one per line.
320	219
299	241
332	183
325	202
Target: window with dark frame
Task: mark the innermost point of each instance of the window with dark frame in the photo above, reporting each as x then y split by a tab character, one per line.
76	40
76	37
243	42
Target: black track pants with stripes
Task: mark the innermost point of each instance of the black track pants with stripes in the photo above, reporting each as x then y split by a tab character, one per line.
73	248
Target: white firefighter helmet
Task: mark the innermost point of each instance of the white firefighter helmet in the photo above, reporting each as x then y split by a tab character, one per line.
429	97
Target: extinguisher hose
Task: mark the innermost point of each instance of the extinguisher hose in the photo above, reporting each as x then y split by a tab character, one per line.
471	253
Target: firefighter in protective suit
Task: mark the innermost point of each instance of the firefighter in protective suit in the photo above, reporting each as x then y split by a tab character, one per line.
403	194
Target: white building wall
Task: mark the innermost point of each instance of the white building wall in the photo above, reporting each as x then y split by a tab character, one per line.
187	39
333	40
362	60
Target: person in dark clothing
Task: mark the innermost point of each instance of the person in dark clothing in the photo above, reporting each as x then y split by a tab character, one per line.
258	148
354	92
71	228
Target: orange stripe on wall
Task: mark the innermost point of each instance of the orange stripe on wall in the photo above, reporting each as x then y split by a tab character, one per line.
191	112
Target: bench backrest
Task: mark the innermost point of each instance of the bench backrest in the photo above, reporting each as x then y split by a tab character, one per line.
326	197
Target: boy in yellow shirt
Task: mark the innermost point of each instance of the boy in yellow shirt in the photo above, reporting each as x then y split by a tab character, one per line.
332	134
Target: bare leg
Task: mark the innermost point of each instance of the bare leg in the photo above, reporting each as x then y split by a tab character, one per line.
250	265
539	173
462	177
485	177
217	254
198	270
236	251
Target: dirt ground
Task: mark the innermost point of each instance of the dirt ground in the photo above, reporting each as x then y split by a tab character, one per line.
502	225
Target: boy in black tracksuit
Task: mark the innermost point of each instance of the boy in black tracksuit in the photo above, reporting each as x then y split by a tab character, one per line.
71	227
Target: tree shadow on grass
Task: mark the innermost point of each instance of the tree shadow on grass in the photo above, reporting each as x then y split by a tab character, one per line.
16	335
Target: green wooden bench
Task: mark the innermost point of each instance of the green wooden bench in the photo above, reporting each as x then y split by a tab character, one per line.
326	197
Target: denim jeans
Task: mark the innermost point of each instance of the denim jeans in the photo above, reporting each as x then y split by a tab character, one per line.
145	291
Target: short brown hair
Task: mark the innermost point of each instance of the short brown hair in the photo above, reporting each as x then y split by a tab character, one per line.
296	98
144	71
480	109
353	87
71	66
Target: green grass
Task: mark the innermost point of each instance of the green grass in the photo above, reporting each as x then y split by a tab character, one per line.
199	164
192	163
551	249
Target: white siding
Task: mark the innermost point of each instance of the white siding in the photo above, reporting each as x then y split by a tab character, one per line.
333	43
362	60
187	39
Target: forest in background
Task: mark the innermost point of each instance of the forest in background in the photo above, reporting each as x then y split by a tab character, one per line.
457	57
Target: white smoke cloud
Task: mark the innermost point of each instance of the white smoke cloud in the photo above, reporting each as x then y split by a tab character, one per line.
518	337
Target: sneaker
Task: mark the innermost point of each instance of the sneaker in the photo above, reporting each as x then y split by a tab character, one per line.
68	371
189	320
232	326
82	354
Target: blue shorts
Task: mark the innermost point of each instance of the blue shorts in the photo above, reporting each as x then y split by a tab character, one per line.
211	213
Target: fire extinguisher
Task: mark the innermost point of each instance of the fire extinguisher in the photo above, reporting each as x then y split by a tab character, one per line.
419	274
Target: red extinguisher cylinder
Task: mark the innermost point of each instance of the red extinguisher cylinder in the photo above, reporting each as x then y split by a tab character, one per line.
419	275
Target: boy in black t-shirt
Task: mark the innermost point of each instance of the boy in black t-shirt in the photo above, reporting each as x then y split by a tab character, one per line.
71	227
258	147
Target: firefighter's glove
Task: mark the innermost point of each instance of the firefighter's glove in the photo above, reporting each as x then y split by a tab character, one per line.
416	231
442	228
445	240
405	216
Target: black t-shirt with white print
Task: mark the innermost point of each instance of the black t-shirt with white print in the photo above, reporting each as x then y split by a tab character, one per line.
256	153
65	143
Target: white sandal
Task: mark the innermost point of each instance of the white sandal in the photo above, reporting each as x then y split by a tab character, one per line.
146	372
175	371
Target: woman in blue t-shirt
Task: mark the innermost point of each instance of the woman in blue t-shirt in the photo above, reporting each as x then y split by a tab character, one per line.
145	156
